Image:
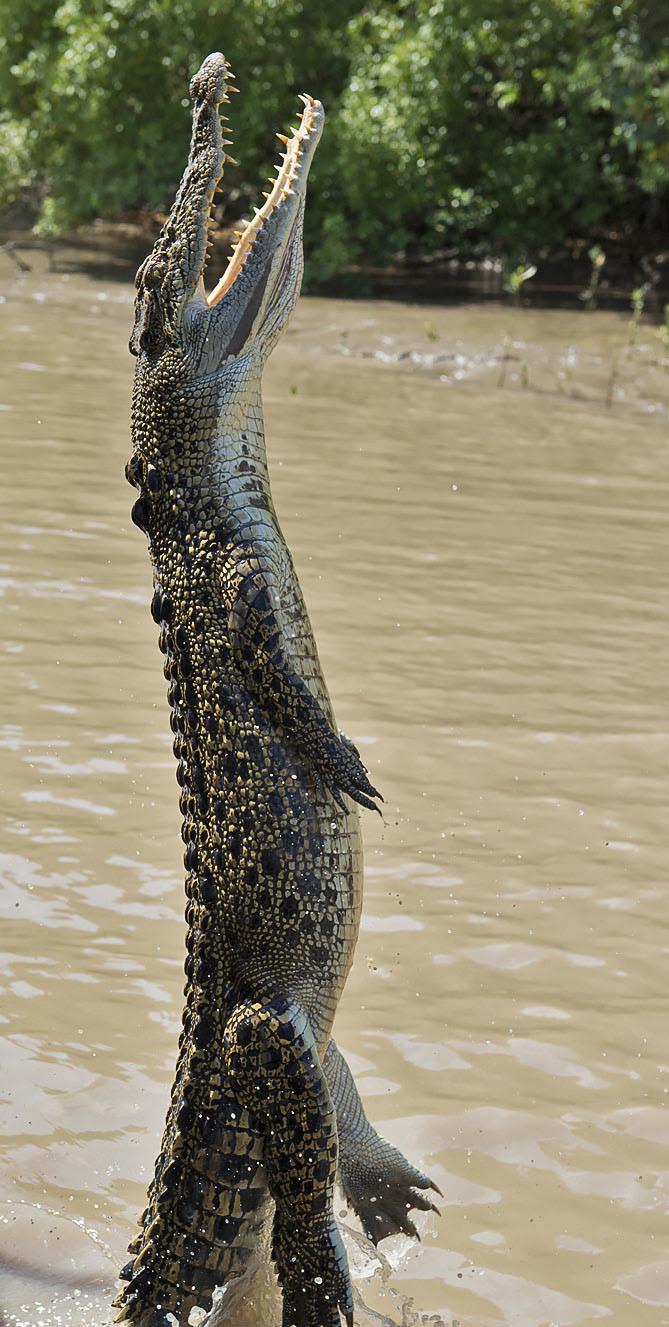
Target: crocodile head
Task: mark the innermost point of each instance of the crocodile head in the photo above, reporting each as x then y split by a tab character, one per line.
177	324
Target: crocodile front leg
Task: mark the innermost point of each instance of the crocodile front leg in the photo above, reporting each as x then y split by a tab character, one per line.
258	639
272	1057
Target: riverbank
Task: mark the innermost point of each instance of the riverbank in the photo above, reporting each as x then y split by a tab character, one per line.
562	279
462	329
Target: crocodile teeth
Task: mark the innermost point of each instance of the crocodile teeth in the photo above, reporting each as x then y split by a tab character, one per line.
281	189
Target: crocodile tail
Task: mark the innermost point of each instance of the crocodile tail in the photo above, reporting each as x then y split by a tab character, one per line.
207	1204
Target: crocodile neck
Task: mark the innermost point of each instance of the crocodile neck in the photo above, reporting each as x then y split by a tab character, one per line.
209	448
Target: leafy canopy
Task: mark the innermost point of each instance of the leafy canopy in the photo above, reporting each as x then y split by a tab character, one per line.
517	123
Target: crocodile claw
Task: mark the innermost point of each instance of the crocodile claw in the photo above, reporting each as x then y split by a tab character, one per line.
351	775
383	1195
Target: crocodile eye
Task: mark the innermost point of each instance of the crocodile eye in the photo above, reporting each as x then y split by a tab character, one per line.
153	275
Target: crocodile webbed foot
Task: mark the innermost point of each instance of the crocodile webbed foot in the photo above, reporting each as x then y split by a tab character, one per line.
314	1277
383	1194
378	1182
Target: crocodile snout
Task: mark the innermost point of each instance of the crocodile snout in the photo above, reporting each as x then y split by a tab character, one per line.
209	83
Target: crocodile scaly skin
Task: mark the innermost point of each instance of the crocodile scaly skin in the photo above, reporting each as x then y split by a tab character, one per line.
268	789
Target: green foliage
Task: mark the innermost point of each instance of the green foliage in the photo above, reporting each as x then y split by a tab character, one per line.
450	121
638	303
97	91
522	121
597	261
515	278
664	330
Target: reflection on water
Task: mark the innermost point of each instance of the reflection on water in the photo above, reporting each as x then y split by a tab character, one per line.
484	564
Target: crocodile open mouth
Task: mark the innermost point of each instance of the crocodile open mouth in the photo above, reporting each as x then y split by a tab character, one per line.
265	266
287	170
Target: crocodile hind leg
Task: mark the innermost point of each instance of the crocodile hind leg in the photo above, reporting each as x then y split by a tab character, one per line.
272	1058
378	1182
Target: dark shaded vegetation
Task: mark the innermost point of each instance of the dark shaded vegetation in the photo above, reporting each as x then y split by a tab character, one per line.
454	125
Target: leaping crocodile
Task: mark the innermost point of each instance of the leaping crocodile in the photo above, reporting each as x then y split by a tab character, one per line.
264	1111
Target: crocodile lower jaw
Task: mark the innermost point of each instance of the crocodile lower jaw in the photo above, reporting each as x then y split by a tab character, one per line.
282	183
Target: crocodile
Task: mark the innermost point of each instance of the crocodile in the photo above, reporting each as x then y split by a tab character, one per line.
264	1113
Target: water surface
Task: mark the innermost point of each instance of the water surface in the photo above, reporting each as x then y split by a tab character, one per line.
476	501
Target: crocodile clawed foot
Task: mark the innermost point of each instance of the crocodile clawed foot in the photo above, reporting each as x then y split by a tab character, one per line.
351	777
314	1277
383	1195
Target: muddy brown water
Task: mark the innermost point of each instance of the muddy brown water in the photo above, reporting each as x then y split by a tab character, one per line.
476	500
